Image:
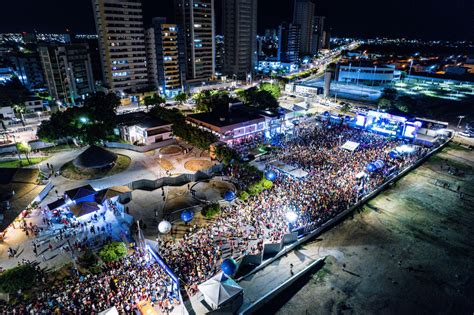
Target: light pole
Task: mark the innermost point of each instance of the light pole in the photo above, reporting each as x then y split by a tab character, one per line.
460	119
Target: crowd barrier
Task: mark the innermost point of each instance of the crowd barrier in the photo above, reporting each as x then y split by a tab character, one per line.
147	184
136	148
296	238
35	145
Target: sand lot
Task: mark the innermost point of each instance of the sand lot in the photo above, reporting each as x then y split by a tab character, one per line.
408	251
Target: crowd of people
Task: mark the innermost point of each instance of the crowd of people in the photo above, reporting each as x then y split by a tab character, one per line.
333	184
330	187
122	284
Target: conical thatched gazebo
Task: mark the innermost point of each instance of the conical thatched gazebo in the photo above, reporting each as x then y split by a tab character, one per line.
95	157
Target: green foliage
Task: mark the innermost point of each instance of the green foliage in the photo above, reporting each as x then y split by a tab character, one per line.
113	251
384	103
181	98
225	154
154	99
17	278
24	148
346	107
211	210
88	259
194	135
274	89
257	188
264	97
207	101
13	93
90	123
243	195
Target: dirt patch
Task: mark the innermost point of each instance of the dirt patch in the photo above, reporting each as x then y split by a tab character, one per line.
70	171
171	149
197	165
408	251
165	164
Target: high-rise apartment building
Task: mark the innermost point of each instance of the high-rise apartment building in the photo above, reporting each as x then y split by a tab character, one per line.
289	42
303	16
165	57
220	50
196	19
67	71
320	38
119	24
240	34
28	69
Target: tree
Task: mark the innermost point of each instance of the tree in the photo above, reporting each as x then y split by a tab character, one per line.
346	107
113	251
405	104
25	148
154	99
384	103
274	89
22	277
390	94
90	123
225	154
211	210
181	98
12	92
265	100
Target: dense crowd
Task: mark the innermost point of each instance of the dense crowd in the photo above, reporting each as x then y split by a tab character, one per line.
122	284
330	187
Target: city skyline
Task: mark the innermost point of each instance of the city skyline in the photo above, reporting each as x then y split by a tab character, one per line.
422	19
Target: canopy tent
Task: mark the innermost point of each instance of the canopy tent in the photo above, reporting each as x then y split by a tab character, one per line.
350	146
219	290
80	192
289	169
95	157
84	208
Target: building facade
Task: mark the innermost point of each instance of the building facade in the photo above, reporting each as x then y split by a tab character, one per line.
165	56
303	16
196	19
28	69
119	24
289	43
240	33
319	34
67	72
367	74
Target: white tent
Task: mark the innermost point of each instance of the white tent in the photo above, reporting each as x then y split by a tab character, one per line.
218	290
111	311
350	145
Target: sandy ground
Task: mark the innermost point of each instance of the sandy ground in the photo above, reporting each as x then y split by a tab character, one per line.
408	251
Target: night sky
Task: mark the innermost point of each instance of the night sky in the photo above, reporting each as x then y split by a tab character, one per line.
425	19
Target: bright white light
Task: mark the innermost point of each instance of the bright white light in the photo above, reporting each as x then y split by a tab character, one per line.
291	216
405	149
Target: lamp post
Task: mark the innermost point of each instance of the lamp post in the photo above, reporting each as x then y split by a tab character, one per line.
460	119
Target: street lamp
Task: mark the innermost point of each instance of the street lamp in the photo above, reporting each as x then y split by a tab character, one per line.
460	119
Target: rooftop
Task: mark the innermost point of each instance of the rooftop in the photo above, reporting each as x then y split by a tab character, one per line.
235	116
140	119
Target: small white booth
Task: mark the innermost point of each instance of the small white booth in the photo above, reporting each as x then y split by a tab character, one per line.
221	292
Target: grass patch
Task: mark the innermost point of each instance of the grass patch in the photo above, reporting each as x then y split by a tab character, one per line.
21	163
70	171
319	276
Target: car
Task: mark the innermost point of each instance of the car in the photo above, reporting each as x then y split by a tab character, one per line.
467	133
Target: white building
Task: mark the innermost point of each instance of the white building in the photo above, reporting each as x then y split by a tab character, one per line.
140	128
367	74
